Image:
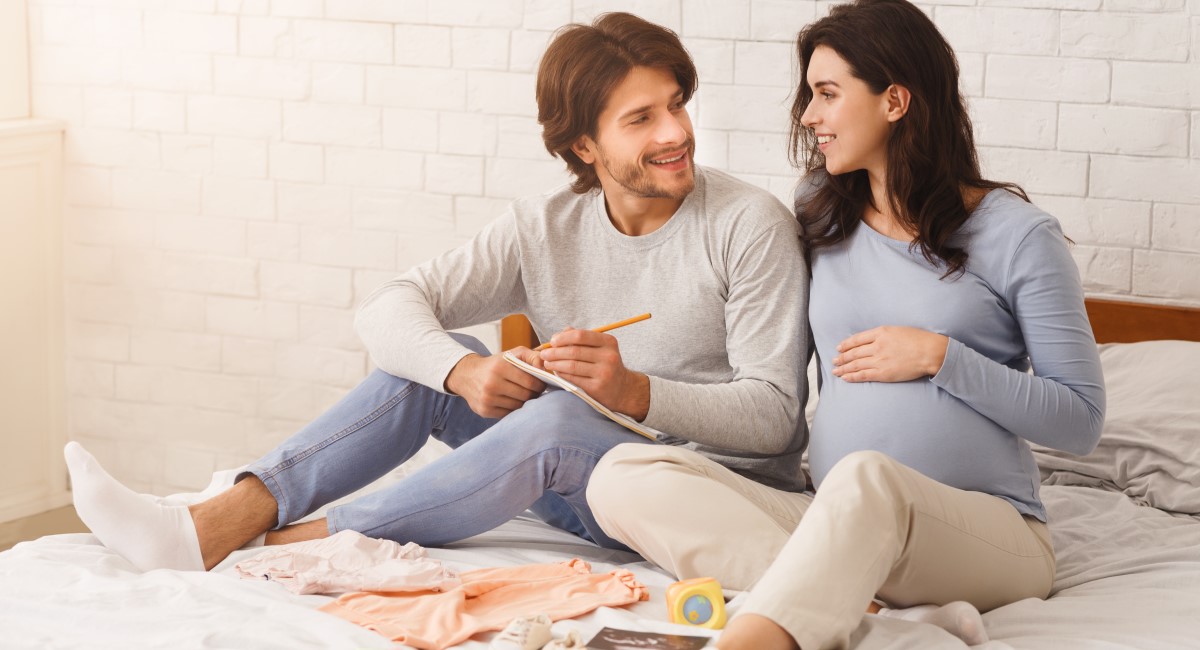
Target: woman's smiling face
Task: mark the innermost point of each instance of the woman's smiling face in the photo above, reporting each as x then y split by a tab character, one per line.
851	122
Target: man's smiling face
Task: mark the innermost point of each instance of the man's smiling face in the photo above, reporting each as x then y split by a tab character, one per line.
644	145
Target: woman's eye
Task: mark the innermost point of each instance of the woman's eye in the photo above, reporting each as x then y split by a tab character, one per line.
827	96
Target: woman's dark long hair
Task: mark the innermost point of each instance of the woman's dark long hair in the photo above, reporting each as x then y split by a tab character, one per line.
930	152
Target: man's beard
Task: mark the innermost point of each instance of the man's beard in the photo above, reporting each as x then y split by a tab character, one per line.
637	180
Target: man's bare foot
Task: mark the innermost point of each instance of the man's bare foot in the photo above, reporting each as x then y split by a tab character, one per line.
234	517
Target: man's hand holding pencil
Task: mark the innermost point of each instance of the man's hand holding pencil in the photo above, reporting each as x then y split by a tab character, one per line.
591	360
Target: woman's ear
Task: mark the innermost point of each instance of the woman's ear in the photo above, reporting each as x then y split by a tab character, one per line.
898	98
585	149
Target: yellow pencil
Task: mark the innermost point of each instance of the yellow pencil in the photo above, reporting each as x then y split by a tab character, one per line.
610	326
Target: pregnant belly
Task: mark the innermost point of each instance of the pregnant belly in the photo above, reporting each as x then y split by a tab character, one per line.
919	425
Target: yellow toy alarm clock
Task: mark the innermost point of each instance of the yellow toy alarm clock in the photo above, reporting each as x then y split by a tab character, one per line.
697	602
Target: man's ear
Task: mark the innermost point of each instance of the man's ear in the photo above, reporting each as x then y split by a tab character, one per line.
898	99
585	148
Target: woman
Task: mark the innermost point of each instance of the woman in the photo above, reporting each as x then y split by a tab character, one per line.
934	292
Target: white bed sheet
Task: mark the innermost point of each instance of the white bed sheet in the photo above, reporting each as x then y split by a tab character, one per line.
68	591
1129	577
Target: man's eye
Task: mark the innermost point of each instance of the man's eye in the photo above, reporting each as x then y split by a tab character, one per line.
639	120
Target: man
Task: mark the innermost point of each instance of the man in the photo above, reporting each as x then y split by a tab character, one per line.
719	368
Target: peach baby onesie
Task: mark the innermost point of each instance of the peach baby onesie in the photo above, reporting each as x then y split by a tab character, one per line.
487	600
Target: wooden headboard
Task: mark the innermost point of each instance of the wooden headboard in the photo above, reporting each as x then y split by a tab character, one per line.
1113	321
515	330
1127	322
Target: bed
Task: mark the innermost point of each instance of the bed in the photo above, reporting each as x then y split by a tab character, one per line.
1125	523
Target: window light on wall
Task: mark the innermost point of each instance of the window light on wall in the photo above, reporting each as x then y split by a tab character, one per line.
14	60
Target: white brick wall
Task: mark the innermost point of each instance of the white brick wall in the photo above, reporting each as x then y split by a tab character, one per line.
242	173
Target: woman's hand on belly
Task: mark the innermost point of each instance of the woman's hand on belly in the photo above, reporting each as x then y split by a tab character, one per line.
890	354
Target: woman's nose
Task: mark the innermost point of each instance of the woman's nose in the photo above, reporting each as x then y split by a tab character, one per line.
809	117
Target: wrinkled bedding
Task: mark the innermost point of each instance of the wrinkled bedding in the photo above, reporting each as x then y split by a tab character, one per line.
1129	577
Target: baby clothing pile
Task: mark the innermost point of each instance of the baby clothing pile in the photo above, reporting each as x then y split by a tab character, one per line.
407	597
349	561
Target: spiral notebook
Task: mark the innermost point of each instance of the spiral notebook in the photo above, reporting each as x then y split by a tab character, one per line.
551	378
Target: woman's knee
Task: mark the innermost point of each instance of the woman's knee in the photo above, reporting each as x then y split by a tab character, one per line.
632	477
611	474
866	484
859	468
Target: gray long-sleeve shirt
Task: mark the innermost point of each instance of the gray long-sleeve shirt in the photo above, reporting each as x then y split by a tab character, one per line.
724	279
1019	302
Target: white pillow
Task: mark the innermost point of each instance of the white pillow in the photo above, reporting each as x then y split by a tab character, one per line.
1150	445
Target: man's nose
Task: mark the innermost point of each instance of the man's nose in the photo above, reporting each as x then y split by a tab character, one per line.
671	129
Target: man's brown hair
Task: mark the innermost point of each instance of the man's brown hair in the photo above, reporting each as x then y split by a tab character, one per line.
583	65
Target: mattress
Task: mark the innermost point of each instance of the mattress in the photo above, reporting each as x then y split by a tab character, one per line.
1129	577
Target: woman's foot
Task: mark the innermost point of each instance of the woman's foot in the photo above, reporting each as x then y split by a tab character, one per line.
754	632
959	618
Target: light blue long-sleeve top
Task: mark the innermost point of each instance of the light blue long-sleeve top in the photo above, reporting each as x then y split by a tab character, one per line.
1018	305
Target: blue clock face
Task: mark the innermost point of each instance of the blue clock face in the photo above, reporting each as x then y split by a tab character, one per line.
697	610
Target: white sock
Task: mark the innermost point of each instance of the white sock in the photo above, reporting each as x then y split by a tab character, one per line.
143	530
959	618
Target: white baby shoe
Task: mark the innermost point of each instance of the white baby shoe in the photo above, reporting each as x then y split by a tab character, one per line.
525	633
571	642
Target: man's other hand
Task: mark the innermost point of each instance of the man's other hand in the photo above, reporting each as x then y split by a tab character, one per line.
492	386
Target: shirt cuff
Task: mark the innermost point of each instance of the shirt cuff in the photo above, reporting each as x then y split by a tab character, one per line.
440	372
658	414
945	376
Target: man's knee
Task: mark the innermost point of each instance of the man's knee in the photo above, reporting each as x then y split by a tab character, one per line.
554	420
550	411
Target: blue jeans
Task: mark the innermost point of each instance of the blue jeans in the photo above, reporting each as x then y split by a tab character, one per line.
538	457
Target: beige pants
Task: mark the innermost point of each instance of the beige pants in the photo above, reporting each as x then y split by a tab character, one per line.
875	527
